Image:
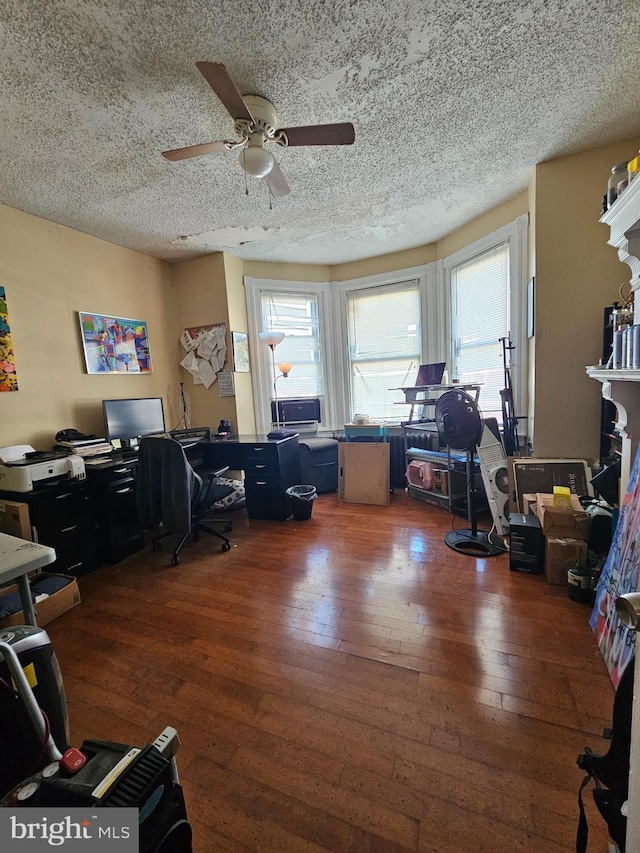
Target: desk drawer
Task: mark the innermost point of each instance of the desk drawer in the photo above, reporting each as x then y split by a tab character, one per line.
266	498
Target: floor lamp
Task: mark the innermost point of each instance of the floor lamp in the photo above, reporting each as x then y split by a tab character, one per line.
272	339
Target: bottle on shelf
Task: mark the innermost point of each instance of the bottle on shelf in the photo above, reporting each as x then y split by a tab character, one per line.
617	182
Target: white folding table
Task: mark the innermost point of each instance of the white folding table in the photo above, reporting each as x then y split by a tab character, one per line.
18	557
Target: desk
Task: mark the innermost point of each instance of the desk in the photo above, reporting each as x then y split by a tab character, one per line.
18	557
270	466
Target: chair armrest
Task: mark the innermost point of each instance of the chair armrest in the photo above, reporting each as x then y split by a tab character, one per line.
210	472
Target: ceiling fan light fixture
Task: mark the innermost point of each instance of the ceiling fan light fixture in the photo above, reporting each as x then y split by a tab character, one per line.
256	161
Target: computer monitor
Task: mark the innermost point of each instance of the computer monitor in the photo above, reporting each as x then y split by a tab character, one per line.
131	418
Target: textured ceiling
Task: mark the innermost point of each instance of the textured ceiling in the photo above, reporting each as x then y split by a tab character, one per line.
453	102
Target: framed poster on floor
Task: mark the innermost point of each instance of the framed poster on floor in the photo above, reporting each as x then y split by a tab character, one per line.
619	576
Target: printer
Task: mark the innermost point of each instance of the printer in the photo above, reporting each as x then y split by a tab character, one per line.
23	469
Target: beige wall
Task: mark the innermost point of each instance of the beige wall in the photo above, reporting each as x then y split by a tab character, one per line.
202	300
577	276
287	272
483	225
234	277
383	263
50	273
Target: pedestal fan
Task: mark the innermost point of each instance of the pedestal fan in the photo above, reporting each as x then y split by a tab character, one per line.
460	428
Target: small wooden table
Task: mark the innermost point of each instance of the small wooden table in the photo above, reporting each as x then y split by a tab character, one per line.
18	557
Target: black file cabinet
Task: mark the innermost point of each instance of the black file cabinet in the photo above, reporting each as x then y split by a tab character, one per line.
60	515
270	467
112	488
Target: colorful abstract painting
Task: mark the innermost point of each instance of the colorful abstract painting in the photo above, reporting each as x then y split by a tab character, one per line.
115	344
8	378
619	576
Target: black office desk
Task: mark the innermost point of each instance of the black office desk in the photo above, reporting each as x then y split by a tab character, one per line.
270	466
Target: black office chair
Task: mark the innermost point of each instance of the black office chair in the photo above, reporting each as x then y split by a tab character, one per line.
173	497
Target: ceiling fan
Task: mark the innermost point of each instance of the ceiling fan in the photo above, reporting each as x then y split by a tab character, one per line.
255	122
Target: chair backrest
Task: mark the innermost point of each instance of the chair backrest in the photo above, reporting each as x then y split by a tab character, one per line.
168	487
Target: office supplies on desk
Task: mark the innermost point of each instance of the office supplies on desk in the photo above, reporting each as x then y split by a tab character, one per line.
22	468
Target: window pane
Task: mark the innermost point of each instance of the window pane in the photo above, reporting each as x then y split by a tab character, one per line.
384	348
480	310
295	314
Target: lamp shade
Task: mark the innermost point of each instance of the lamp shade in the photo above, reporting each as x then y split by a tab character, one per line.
271	339
284	367
256	161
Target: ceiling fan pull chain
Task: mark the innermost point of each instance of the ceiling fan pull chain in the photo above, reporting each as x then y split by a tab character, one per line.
246	185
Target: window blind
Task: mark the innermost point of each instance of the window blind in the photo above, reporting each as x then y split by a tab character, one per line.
480	311
384	347
295	314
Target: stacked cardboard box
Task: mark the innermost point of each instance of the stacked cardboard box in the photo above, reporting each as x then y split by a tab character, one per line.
565	531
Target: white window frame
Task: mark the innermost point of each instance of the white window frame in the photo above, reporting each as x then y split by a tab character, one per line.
261	354
514	233
341	289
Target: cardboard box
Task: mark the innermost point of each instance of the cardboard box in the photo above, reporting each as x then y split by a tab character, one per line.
547	499
363	473
48	608
561	523
440	480
526	548
14	519
560	555
529	504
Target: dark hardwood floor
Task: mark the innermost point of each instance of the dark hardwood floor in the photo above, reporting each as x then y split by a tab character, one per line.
346	683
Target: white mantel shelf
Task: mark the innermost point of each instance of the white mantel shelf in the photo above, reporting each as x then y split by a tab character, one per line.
604	375
623	219
620	386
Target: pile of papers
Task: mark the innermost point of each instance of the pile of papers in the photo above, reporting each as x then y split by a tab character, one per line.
206	354
88	447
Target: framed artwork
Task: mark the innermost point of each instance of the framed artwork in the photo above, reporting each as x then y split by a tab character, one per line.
8	378
240	352
621	574
114	344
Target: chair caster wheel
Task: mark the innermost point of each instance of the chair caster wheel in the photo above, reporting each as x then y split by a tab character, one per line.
228	528
226	546
175	561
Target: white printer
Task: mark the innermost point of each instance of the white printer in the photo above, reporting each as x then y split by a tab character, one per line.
22	468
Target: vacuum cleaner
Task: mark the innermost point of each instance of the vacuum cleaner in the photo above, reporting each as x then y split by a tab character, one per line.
100	773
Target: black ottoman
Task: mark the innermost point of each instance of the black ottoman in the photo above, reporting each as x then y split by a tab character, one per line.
319	463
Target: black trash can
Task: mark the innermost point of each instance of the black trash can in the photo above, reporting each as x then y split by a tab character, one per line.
301	499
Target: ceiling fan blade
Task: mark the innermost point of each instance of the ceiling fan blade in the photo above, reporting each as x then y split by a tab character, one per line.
218	78
195	150
277	182
319	134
